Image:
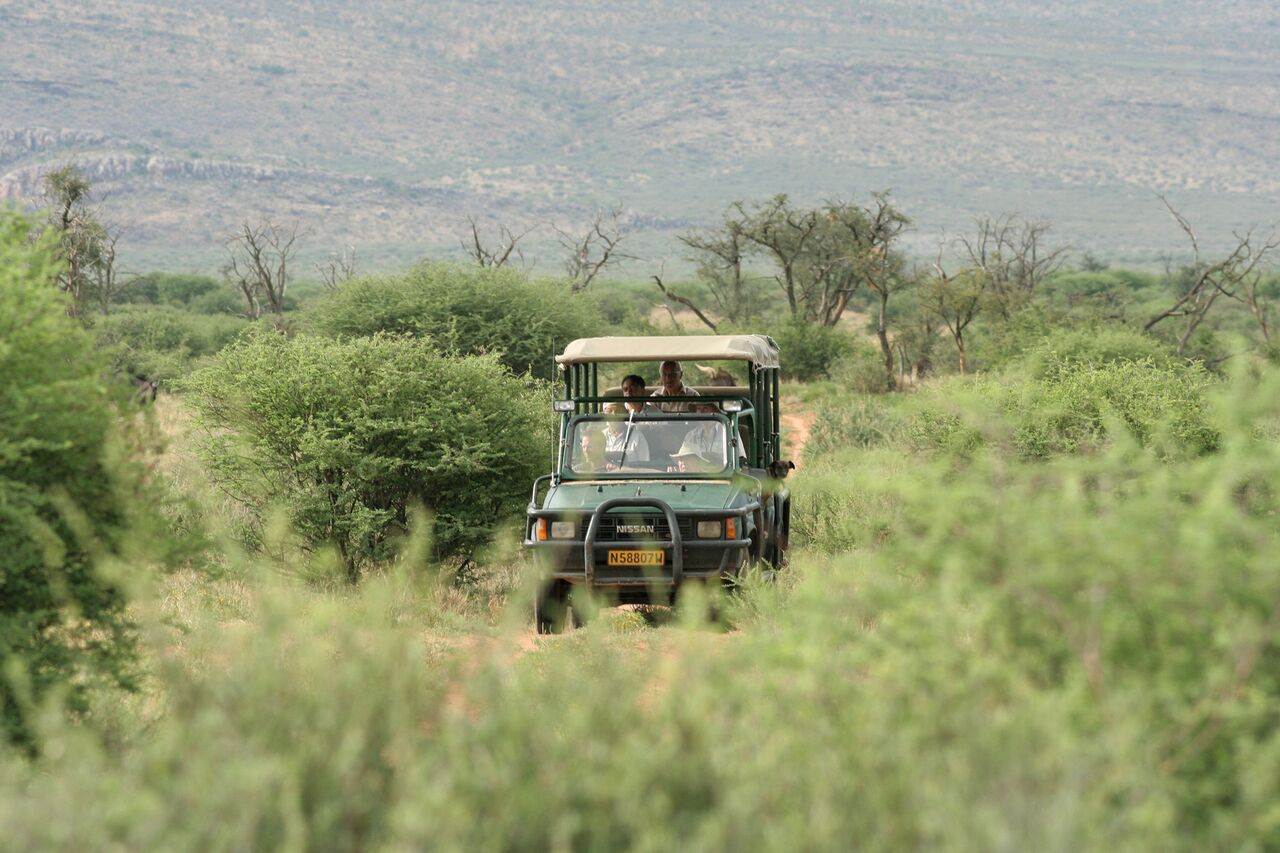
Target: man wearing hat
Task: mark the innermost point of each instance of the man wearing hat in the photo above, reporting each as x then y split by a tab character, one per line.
689	461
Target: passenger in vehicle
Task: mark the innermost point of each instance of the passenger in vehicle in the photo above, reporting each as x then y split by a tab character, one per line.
591	456
624	436
672	375
688	461
633	386
706	437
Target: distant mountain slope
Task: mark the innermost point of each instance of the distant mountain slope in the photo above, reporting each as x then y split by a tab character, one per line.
383	125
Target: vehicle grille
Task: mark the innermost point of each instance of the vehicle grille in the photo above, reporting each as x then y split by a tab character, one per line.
608	531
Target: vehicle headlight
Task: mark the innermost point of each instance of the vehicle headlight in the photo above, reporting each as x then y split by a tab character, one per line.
709	530
563	529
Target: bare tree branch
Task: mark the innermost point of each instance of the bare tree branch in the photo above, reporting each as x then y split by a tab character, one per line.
338	268
956	301
259	263
1014	259
595	250
671	296
492	254
1237	276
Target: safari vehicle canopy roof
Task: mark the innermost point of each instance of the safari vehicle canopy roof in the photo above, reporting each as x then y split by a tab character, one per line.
759	349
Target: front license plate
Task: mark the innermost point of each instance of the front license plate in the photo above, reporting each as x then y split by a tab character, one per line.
636	558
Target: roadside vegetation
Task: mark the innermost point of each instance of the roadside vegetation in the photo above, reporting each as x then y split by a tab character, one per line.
1033	602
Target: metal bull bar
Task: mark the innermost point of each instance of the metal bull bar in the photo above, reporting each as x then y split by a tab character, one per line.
675	546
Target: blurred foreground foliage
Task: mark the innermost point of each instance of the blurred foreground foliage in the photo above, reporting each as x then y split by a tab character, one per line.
75	510
977	647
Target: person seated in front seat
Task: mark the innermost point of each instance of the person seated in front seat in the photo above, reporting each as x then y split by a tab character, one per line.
591	456
706	437
623	437
689	461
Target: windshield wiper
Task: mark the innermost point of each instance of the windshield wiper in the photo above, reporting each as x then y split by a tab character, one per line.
626	438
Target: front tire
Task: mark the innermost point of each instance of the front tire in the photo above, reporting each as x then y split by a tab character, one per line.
549	607
553	612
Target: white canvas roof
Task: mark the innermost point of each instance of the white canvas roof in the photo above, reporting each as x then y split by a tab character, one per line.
759	349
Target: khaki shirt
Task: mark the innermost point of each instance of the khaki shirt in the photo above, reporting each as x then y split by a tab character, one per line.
671	408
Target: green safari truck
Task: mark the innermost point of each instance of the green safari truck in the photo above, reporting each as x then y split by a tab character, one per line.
653	492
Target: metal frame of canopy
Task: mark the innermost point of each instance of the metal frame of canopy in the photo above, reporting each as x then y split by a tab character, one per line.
582	358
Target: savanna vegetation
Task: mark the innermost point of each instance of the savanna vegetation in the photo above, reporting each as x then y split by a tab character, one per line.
1033	601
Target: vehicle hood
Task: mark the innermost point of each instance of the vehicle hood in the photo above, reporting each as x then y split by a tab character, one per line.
680	494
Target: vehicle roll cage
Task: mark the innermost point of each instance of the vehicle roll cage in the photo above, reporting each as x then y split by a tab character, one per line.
582	386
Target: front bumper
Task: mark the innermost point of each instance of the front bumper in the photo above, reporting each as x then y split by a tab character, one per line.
584	559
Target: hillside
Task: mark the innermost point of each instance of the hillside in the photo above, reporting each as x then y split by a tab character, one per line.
383	126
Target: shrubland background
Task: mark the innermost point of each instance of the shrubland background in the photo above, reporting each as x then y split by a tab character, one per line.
382	126
1033	600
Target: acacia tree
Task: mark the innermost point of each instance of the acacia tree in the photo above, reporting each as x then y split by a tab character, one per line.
86	245
873	234
1014	259
720	255
107	285
820	255
1257	295
783	234
669	296
340	267
66	502
258	264
954	300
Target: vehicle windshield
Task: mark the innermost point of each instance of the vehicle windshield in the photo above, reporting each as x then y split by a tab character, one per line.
603	445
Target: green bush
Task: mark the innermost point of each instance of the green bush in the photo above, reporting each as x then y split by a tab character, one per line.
347	436
1060	406
162	342
860	423
809	351
993	344
1069	409
63	501
464	311
861	369
172	289
1073	655
1096	346
223	302
199	294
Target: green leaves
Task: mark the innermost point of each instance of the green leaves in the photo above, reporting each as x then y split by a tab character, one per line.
464	311
62	501
347	436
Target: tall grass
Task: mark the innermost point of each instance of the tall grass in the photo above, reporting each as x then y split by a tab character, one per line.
976	648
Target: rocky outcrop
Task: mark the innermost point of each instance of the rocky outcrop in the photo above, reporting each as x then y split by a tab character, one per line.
102	168
20	142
